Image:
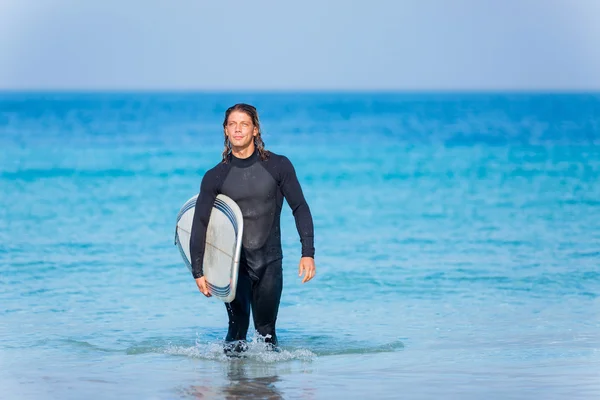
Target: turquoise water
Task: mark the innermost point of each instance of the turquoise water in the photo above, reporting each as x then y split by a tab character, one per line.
457	247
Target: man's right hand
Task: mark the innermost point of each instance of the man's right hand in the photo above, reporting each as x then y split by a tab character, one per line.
201	282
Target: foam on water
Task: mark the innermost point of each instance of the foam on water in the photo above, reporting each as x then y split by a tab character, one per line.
256	352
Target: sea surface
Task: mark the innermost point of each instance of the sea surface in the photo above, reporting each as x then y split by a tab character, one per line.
457	247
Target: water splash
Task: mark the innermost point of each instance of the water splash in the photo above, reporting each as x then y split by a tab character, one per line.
257	350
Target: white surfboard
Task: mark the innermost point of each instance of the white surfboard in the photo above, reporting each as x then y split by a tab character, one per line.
223	244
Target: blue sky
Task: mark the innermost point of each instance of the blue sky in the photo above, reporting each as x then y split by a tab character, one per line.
308	45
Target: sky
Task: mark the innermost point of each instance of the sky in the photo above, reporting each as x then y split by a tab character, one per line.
354	45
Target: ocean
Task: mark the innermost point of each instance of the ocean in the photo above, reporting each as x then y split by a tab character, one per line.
457	242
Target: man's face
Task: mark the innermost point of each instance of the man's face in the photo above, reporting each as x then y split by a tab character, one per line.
240	130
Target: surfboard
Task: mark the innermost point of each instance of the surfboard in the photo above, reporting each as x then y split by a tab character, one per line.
223	244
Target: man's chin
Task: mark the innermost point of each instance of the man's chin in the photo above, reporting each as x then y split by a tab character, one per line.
240	145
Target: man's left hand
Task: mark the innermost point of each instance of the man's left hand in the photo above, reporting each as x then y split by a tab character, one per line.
307	266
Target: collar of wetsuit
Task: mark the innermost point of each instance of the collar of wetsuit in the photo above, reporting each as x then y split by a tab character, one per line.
244	162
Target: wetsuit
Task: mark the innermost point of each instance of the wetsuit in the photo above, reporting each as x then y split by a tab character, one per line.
258	187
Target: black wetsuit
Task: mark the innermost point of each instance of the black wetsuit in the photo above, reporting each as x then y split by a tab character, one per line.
258	187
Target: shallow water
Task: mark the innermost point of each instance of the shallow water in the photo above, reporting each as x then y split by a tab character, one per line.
457	242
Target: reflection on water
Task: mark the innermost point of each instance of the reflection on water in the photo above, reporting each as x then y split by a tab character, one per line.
243	386
242	381
249	379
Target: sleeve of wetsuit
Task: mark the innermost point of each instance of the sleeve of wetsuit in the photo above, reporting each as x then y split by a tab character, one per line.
292	192
204	203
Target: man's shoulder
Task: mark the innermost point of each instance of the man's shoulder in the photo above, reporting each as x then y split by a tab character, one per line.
216	171
279	165
218	167
277	159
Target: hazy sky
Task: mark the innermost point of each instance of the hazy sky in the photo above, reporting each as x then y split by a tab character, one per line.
300	45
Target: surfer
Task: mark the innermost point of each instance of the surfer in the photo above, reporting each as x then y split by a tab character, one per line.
257	180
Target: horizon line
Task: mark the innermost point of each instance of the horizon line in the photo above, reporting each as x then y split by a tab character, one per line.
116	90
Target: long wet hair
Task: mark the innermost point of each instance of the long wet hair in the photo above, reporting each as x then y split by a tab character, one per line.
258	142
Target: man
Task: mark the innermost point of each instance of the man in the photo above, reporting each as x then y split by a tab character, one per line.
257	180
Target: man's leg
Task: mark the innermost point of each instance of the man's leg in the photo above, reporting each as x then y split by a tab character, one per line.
238	310
266	295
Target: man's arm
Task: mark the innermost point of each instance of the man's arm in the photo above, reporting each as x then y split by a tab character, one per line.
292	192
204	204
